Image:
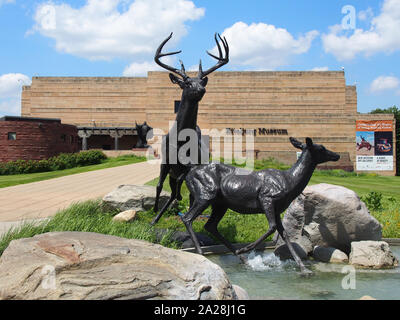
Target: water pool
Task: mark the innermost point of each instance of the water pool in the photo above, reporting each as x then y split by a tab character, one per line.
266	277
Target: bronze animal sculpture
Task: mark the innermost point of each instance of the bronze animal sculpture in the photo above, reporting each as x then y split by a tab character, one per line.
142	132
267	191
186	118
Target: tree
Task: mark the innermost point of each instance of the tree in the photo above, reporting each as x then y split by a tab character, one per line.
396	112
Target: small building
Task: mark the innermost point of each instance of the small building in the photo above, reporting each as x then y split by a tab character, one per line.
29	138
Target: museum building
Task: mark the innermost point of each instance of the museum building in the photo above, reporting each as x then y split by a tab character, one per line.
274	105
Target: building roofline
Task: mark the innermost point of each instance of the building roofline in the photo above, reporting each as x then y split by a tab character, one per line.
18	118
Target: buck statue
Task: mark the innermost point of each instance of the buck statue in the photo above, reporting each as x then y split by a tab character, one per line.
186	118
267	191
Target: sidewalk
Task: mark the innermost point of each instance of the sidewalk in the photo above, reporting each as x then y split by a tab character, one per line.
44	198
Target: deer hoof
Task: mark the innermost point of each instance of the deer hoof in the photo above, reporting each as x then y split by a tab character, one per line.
243	259
242	250
306	273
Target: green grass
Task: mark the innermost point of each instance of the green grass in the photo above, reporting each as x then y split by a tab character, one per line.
237	228
12	180
247	228
86	216
388	186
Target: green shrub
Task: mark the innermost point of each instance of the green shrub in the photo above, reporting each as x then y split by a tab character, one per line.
373	200
60	162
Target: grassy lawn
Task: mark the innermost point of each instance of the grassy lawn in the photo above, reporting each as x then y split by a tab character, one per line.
12	180
246	228
86	216
362	185
90	217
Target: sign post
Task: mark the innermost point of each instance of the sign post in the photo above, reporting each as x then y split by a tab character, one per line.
374	145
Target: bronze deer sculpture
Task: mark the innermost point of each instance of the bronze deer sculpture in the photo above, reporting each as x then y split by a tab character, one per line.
186	118
144	131
267	191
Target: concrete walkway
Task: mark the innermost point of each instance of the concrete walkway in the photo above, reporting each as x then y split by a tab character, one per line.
44	198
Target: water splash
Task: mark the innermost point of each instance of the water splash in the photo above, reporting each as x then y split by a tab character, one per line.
266	261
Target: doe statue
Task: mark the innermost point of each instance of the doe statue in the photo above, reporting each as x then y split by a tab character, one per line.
267	191
193	90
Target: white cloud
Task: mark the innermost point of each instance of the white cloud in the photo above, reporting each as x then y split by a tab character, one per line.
383	35
10	107
140	69
261	46
384	83
320	69
365	14
10	92
108	29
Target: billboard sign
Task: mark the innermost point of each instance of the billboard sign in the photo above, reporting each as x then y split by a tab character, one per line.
374	145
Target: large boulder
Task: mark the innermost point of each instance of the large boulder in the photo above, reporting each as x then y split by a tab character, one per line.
81	265
134	197
372	254
329	216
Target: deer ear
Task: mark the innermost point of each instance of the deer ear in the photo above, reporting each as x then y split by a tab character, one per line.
309	142
296	143
176	80
204	81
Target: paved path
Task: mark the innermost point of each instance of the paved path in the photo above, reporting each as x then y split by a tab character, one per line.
44	198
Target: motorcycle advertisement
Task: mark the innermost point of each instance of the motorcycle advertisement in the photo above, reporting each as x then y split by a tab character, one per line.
374	145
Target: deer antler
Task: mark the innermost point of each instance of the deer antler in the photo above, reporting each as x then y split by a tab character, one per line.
159	55
222	60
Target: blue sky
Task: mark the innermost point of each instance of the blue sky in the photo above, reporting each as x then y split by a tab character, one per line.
118	37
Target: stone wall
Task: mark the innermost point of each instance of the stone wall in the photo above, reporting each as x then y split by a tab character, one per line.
305	104
80	100
36	140
301	104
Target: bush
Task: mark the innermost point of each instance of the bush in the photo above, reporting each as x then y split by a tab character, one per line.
373	200
60	162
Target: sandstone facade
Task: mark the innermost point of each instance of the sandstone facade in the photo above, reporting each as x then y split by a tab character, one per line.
276	105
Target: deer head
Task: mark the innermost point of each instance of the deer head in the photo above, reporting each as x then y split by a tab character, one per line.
193	88
319	153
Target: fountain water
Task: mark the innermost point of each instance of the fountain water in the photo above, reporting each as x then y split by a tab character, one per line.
265	276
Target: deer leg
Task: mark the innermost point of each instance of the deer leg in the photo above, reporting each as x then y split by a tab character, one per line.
270	214
163	175
172	183
191	200
179	185
195	210
211	226
304	271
